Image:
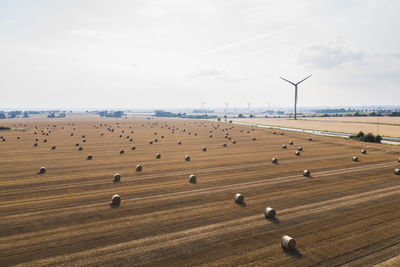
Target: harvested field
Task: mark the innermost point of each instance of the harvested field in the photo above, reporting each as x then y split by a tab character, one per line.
388	126
346	212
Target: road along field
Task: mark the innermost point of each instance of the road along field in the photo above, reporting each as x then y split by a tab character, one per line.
346	212
385	126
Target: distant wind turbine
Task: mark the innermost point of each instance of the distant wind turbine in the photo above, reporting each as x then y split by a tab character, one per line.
295	92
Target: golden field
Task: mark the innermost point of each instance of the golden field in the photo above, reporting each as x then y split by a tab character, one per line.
386	126
346	213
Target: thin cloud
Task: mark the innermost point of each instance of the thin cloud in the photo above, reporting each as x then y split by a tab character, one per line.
228	46
207	72
94	34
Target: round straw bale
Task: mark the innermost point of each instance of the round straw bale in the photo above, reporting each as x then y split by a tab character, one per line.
269	213
42	170
187	158
76	144
224	144
288	243
89	157
139	168
274	160
306	173
398	160
254	138
309	139
133	147
80	148
204	149
150	142
192	178
233	141
179	142
363	151
297	153
291	143
158	156
117	177
35	144
53	147
299	148
239	198
121	151
397	171
116	200
284	146
354	158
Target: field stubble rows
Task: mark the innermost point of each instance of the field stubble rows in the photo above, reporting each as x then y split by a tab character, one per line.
345	213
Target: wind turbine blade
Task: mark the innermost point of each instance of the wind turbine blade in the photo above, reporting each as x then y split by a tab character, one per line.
304	79
287	81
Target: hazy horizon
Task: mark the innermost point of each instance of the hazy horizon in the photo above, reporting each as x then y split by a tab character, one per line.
172	54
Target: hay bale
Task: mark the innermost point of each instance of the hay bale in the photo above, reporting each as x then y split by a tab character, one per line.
139	168
150	142
133	147
239	198
224	144
187	158
116	200
90	157
204	149
53	147
117	177
121	151
269	213
299	148
192	179
291	143
306	173
45	141
354	158
275	160
156	140
80	148
35	144
288	243
309	139
398	160
210	135
233	141
254	138
42	170
397	171
179	142
76	144
158	156
297	153
84	140
363	151
284	146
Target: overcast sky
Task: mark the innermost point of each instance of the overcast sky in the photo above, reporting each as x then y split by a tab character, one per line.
179	53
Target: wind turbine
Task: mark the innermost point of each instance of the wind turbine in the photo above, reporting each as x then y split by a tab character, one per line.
226	107
295	92
202	105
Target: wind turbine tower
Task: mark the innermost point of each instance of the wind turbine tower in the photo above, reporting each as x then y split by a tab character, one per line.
202	106
226	107
295	92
